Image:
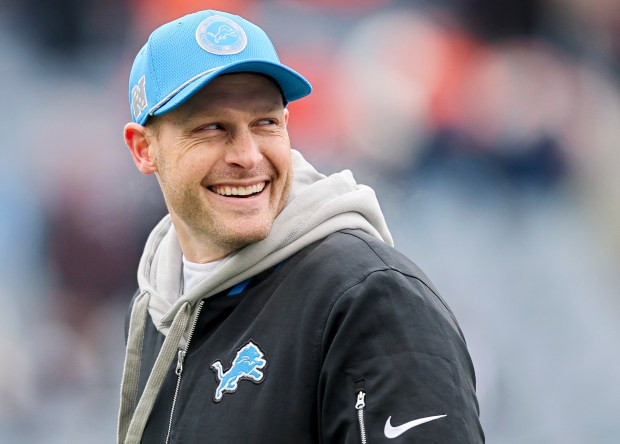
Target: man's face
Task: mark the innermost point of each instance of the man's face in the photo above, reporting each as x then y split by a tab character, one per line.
223	162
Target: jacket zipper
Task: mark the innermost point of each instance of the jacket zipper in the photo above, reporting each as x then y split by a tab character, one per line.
179	369
359	405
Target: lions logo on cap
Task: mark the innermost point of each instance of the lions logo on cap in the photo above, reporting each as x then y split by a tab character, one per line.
220	35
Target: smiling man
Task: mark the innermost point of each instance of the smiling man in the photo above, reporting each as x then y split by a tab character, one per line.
272	306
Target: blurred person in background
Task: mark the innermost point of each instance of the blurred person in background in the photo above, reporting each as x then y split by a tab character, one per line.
272	305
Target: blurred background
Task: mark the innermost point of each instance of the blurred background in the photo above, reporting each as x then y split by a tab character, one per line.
490	131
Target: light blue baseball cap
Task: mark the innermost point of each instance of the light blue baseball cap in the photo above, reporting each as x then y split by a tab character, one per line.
184	55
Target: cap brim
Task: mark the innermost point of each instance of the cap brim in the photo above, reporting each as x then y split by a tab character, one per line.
293	85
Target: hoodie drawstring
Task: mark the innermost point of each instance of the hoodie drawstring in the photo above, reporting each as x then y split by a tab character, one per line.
131	368
132	417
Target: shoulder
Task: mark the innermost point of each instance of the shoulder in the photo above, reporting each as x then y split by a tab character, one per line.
372	249
357	254
357	270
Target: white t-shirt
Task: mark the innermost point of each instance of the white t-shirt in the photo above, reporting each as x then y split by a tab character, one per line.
194	273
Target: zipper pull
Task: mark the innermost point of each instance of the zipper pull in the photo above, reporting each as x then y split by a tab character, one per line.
361	403
180	359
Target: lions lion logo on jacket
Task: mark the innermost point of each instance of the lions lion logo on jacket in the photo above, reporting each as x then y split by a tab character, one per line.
247	365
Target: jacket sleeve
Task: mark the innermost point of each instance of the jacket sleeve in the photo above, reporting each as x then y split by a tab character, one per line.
395	367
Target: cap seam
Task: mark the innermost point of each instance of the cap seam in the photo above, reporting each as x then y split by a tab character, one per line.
175	91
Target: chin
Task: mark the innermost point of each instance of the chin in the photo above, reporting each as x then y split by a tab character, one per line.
242	238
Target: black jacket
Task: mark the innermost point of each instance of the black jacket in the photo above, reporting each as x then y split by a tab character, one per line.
343	342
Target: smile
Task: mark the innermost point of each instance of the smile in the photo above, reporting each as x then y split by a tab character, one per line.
227	190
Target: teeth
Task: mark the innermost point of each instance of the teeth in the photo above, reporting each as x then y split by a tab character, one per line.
239	191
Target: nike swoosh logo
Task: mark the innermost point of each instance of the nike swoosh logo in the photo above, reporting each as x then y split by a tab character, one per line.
393	432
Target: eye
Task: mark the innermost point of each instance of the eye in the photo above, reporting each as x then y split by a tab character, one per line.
267	122
209	127
207	130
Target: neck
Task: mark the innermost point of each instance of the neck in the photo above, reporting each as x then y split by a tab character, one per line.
198	248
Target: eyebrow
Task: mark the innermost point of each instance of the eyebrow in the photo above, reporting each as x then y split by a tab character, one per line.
189	118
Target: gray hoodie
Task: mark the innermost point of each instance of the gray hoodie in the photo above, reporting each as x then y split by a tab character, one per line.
317	206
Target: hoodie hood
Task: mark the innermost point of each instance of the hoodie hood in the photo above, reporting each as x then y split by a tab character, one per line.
317	206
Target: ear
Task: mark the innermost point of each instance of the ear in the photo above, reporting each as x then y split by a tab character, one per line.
140	147
286	113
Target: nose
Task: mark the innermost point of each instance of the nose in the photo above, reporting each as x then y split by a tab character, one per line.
244	150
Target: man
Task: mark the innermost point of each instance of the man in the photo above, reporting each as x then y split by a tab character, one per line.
272	307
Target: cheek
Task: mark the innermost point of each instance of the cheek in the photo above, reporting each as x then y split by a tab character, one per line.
281	154
285	171
185	166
